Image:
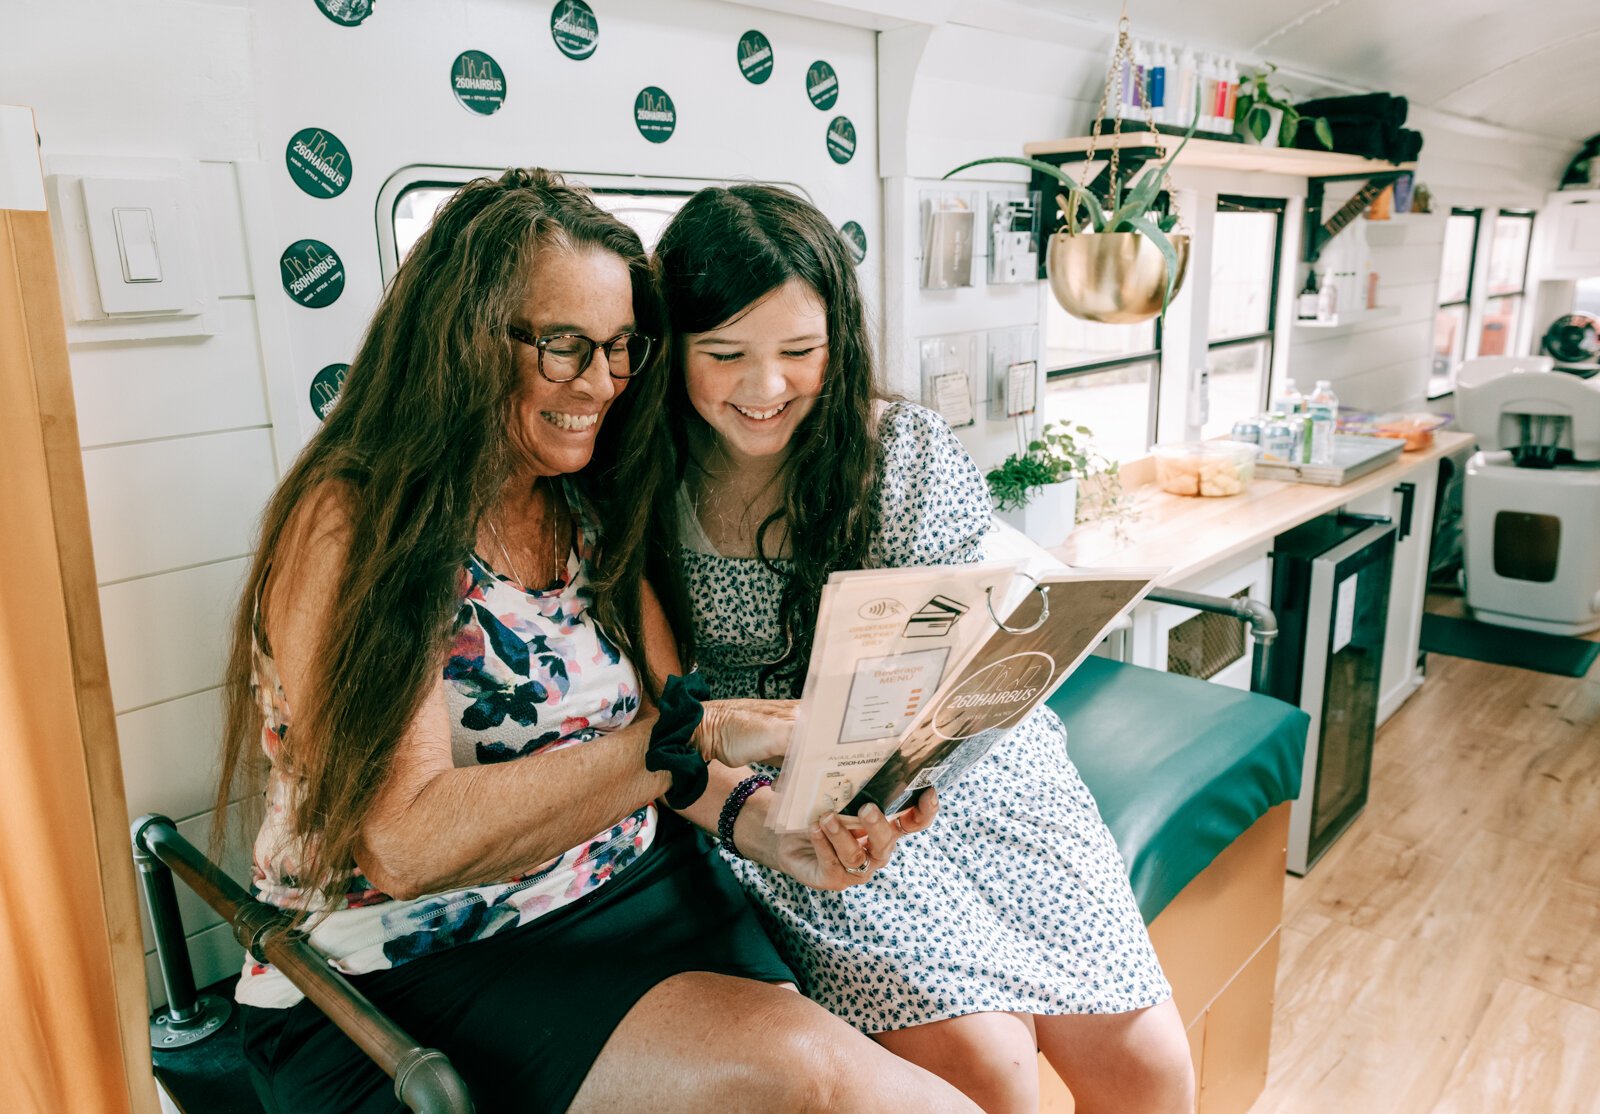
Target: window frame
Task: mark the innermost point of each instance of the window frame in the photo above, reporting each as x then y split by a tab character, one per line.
1468	343
1520	294
1279	207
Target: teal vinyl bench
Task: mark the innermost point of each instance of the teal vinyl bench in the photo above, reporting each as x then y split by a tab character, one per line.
1194	780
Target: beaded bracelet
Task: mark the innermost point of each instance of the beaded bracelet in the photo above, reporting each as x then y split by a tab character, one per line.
735	805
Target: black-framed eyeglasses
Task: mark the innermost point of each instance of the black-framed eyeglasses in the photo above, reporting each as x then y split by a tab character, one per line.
563	357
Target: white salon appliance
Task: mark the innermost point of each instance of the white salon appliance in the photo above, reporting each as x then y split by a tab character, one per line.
1531	500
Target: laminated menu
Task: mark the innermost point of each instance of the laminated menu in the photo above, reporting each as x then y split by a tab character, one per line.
916	672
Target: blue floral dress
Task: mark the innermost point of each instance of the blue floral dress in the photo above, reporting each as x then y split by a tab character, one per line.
1016	899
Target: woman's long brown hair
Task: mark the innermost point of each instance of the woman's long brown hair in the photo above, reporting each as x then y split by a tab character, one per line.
418	447
725	250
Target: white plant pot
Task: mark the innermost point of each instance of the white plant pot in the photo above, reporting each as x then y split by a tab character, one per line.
1048	516
1271	138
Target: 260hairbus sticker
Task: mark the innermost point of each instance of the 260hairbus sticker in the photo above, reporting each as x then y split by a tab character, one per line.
312	272
326	386
478	82
346	13
574	28
654	114
755	57
822	85
318	162
855	240
841	140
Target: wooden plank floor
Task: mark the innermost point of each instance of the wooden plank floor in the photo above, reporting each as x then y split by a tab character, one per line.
1445	955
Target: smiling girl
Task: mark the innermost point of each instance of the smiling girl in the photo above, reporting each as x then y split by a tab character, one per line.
1010	926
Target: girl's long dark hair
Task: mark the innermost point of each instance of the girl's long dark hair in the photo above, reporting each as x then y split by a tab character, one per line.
724	251
418	449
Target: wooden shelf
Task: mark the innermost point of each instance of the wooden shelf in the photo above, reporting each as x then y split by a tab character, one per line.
1216	154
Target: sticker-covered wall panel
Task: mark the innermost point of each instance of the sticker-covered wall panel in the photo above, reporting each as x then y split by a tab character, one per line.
695	89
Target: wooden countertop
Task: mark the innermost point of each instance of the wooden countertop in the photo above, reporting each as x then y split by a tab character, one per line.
1193	535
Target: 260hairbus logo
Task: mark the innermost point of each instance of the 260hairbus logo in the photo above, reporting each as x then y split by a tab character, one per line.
841	140
654	114
822	85
478	82
996	696
574	28
318	162
312	273
755	57
855	240
346	13
326	386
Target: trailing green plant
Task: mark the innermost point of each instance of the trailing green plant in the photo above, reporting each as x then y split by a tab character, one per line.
1061	452
1130	210
1257	95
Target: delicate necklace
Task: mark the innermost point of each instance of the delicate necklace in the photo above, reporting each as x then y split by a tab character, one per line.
510	568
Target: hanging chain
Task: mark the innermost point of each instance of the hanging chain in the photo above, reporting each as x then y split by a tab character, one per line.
1122	58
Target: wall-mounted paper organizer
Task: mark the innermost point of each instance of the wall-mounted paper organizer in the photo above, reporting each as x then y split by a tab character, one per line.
949	223
1013	236
952	376
1013	372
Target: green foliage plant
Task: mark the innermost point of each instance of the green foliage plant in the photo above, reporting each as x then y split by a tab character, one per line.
1257	95
1061	452
1133	210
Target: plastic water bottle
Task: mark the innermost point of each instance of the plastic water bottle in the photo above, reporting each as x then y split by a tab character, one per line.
1291	401
1323	408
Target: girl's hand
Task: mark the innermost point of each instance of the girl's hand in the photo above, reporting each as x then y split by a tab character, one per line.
739	732
833	857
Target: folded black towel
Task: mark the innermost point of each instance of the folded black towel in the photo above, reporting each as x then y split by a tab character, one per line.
1384	107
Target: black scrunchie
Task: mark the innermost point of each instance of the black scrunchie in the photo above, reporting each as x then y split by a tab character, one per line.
672	745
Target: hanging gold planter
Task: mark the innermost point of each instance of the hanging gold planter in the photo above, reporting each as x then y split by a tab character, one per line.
1117	278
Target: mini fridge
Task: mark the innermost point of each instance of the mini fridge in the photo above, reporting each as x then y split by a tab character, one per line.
1330	592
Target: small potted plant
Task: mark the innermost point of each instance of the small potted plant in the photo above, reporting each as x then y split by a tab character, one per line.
1036	490
1266	116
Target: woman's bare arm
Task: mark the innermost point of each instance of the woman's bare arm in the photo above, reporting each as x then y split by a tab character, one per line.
434	826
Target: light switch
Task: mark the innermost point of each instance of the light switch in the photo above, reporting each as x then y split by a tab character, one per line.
136	244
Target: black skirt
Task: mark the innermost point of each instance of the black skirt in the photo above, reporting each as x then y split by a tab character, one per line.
523	1014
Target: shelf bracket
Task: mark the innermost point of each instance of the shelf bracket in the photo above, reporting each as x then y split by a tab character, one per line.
1318	231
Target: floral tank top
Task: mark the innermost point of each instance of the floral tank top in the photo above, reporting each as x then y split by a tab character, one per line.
528	673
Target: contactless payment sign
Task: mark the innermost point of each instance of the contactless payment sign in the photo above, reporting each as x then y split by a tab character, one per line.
325	388
312	272
574	28
855	240
346	13
318	162
478	82
841	140
655	115
755	57
822	85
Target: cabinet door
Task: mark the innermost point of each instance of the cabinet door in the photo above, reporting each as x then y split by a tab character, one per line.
1400	675
1213	647
1574	238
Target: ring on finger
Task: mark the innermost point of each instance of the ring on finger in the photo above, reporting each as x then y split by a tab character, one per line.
864	867
900	826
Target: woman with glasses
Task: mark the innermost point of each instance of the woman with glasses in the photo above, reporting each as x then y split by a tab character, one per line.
448	656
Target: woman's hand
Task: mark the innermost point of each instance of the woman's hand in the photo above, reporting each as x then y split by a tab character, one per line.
833	857
739	732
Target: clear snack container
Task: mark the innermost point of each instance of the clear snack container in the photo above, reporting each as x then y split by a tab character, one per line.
1209	468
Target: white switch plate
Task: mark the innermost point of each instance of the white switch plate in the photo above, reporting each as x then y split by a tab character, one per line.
139	270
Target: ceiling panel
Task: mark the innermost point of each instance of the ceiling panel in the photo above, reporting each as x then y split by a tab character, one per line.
1532	64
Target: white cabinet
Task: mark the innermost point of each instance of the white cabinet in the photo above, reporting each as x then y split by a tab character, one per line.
1571	236
1203	644
1412	512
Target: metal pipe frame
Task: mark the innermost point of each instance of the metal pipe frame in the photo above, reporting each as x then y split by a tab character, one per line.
424	1079
1262	622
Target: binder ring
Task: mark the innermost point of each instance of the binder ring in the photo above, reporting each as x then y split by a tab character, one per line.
1044	609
